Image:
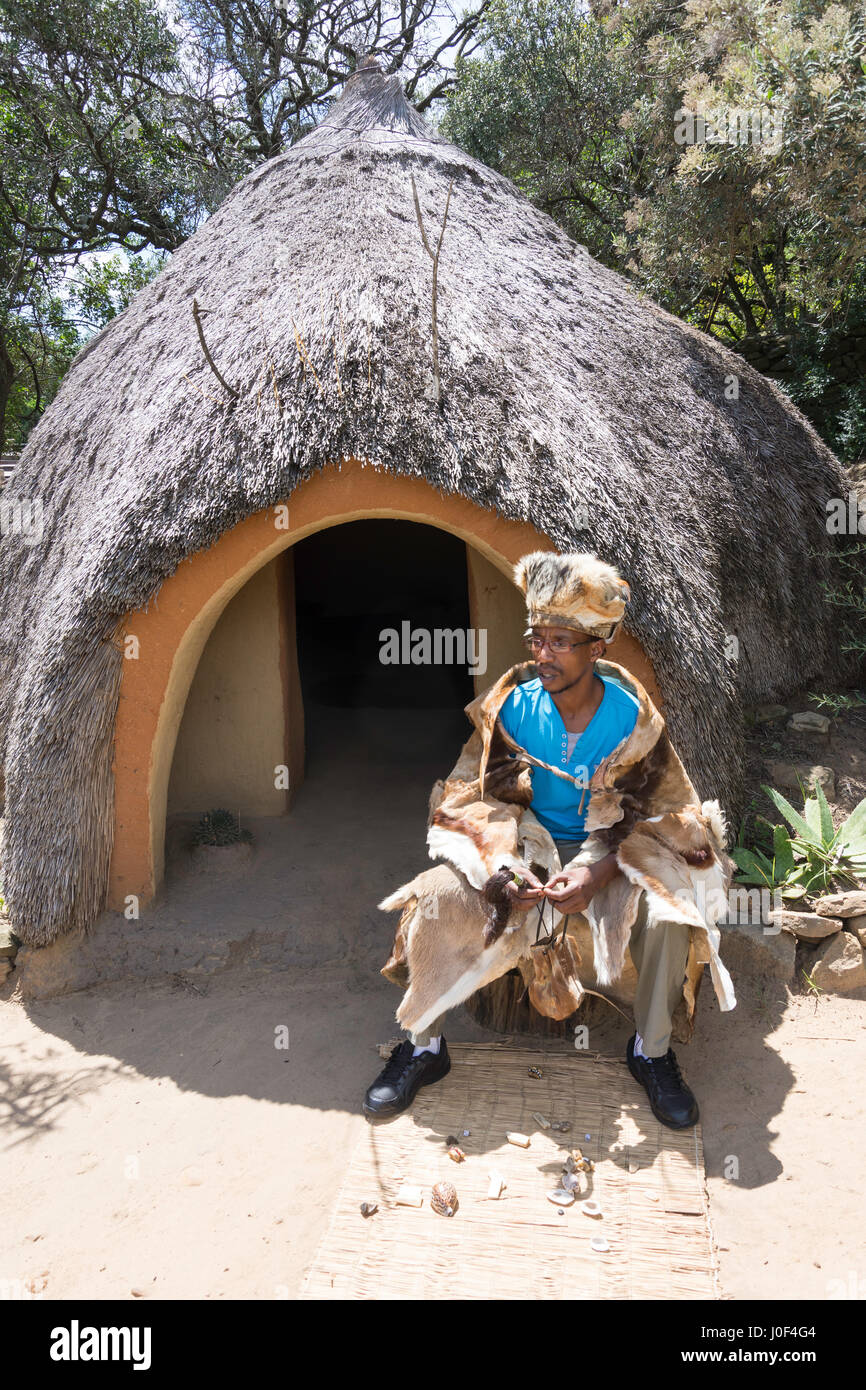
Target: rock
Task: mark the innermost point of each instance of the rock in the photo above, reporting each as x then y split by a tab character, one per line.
748	949
840	966
851	904
765	714
9	942
857	925
788	776
810	722
807	926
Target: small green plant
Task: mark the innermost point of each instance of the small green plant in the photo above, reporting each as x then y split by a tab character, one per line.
813	988
219	827
837	704
815	858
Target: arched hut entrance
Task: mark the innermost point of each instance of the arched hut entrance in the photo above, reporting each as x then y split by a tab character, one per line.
170	640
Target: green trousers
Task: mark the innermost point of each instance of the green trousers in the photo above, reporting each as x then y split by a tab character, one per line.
659	952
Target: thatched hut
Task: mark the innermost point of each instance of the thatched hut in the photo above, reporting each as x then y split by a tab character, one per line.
540	403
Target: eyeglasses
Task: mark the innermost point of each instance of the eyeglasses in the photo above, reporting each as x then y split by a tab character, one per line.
558	645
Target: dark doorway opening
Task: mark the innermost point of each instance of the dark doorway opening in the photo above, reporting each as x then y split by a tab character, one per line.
357	586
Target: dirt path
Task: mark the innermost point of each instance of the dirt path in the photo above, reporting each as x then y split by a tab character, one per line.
155	1139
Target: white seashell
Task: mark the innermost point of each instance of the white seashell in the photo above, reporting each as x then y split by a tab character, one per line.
599	1243
651	1196
497	1186
570	1164
541	1120
560	1197
520	1140
409	1196
591	1209
570	1181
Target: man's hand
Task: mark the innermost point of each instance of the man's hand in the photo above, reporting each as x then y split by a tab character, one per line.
574	890
527	893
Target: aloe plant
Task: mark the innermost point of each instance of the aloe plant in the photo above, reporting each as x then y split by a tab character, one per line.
815	857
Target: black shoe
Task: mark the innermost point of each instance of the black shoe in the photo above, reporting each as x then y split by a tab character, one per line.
403	1076
670	1098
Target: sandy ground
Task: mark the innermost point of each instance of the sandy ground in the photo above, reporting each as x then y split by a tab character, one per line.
153	1137
156	1140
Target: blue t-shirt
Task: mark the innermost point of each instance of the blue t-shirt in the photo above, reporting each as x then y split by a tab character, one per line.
532	720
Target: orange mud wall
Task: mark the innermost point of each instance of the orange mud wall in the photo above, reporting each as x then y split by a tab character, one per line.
172	632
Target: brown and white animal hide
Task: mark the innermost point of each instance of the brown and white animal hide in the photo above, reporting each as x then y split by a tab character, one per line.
641	806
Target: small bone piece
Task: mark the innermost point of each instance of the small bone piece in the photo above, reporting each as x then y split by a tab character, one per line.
497	1185
599	1243
520	1140
540	1120
591	1209
409	1196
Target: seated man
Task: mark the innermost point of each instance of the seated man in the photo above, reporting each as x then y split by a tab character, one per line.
568	794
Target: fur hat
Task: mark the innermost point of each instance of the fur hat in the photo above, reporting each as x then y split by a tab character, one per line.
572	590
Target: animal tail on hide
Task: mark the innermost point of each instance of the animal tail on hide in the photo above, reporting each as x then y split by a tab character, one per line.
399	897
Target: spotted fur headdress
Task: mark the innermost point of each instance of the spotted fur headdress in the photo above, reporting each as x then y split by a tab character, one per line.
572	590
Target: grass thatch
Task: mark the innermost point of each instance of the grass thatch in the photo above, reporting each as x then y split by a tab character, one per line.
561	389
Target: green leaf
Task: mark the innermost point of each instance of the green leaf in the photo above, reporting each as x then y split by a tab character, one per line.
783	853
828	834
794	819
852	834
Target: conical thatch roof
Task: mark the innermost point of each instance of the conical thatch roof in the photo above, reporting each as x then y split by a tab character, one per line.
561	388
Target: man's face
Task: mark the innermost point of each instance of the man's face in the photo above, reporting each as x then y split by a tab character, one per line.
559	669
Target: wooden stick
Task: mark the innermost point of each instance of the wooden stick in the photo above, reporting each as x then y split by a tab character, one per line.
204	347
434	256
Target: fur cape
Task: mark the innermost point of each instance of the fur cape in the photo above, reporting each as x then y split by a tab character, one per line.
642	806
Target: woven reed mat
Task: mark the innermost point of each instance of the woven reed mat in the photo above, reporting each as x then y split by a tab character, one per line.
649	1181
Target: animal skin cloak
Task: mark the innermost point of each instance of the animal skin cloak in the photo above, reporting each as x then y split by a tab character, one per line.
641	806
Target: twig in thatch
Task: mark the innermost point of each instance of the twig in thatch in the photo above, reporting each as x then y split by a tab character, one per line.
206	395
434	256
196	313
271	365
369	381
302	353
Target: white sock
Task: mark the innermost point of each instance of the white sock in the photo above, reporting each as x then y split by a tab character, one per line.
431	1046
638	1046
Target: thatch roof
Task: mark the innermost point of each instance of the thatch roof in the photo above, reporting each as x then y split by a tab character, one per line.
561	388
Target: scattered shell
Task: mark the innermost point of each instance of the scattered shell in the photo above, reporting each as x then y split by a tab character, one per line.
560	1212
456	1154
409	1196
570	1181
633	1167
599	1243
570	1164
561	1126
497	1185
444	1198
541	1120
591	1209
585	1165
520	1140
536	1072
651	1196
368	1208
560	1197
